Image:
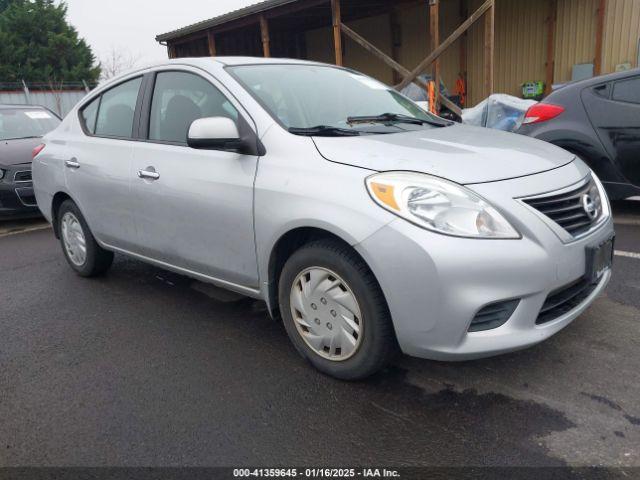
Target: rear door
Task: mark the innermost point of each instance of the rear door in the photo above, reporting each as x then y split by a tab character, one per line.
98	169
197	213
614	111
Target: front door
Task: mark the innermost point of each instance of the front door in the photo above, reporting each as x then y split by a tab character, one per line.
193	208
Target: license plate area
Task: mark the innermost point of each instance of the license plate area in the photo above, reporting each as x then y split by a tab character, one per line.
599	260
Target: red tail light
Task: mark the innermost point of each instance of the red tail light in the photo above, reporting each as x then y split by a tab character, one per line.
37	150
541	112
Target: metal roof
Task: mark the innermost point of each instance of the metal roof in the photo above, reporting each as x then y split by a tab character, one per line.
221	19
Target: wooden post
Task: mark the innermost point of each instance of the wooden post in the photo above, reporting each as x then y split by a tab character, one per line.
337	33
434	33
597	63
489	39
464	45
551	46
171	50
264	32
211	38
396	40
426	63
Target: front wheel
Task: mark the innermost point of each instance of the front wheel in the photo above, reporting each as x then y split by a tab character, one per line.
80	248
334	311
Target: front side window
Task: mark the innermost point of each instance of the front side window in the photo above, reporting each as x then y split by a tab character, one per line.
627	91
117	108
16	123
179	98
309	96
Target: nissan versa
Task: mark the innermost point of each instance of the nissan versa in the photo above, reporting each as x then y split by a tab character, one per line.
365	223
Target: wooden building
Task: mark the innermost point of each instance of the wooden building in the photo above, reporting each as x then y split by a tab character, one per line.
493	45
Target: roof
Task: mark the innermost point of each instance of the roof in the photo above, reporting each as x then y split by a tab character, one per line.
205	63
611	76
236	61
221	19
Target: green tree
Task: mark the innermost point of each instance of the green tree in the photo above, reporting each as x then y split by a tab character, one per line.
4	4
38	45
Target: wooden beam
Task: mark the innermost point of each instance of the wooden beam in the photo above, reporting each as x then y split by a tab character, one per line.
389	61
264	32
446	44
211	39
489	43
171	50
374	50
434	33
597	63
450	105
551	45
337	33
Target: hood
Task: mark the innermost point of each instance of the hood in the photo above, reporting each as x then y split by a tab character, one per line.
15	152
459	153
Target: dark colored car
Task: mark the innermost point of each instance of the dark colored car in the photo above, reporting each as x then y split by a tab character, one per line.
21	130
598	120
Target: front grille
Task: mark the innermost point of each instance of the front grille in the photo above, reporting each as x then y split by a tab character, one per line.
22	176
564	300
568	209
493	316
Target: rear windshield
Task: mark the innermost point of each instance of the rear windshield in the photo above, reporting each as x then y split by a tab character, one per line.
26	123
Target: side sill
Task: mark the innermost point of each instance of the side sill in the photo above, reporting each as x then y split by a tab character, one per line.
248	291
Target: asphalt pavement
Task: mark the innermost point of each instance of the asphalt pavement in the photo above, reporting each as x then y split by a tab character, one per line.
147	368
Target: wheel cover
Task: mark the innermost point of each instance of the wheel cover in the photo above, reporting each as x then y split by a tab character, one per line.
326	314
73	239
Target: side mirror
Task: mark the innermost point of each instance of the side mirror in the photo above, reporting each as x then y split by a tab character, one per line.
214	133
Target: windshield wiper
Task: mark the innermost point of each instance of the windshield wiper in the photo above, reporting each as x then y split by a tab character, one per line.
323	131
390	118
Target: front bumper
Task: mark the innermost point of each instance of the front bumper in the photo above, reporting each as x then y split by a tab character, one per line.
435	285
17	199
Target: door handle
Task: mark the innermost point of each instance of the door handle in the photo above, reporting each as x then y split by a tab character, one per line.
149	174
73	163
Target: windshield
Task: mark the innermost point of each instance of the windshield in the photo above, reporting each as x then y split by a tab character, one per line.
312	96
26	123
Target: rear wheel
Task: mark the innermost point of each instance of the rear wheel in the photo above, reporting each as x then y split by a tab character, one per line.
80	248
334	311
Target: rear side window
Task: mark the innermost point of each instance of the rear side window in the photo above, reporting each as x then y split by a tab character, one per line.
179	98
627	91
90	114
117	108
603	90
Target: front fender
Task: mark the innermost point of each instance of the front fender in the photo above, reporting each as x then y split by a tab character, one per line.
297	188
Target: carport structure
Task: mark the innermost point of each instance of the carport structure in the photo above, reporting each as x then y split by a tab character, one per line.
482	45
280	28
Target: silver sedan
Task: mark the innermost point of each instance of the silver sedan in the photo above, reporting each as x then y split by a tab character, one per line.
368	225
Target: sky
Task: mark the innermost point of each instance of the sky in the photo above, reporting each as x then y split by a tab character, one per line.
132	25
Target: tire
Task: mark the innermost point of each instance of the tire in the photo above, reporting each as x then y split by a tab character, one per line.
375	338
94	260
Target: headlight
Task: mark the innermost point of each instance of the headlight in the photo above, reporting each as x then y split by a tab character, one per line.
438	205
1	174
